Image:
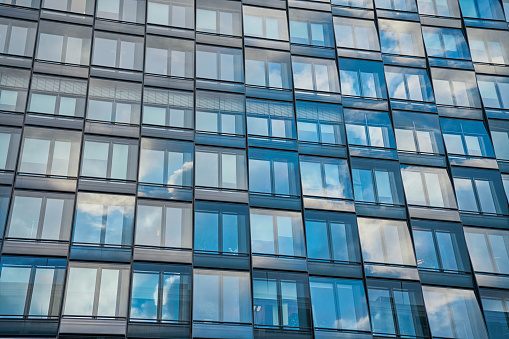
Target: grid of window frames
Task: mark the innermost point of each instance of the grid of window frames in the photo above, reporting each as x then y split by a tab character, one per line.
254	169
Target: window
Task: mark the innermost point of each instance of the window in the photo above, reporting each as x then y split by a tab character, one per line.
397	308
270	119
218	16
277	233
500	137
477	9
268	68
466	137
445	43
385	242
332	237
114	101
273	172
9	144
369	128
164	224
505	180
22	3
166	162
453	313
353	3
494	91
397	5
479	190
401	37
455	88
50	152
495	304
104	219
96	290
219	63
172	57
221	228
57	95
489	250
339	304
76	6
447	8
176	13
118	50
5	195
221	113
160	293
122	10
320	123
17	37
325	177
418	132
355	33
428	186
281	299
109	158
376	181
13	89
169	108
265	23
362	78
221	296
440	246
64	43
315	74
41	216
31	287
408	84
311	28
221	168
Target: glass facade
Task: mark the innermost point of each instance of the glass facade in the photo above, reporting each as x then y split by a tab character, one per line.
248	169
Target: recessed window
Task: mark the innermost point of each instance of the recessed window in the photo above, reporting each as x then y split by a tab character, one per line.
455	88
177	13
221	168
219	63
362	78
218	16
311	28
270	118
356	33
122	10
171	57
368	128
13	89
466	137
75	6
401	37
168	108
408	84
489	250
314	74
494	91
417	132
221	113
9	144
268	68
17	37
445	43
265	23
320	123
118	50
325	177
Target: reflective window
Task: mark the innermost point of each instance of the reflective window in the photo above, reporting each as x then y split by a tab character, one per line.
50	152
104	219
447	8
270	118
453	313
64	43
489	46
385	242
221	296
265	23
268	68
172	57
160	293
401	37
505	179
219	63
408	84
376	181
13	89
41	216
320	123
277	233
114	101
31	287
96	290
315	74
427	186
489	249
5	194
169	108
218	16
397	308
281	299
455	88
494	91
500	137
221	113
273	172
325	177
311	28
57	95
362	78
356	33
220	168
9	144
164	224
221	228
353	3
122	10
369	128
339	304
495	304
485	9
118	50
17	37
166	162
445	43
466	137
76	6
332	237
417	132
397	5
177	13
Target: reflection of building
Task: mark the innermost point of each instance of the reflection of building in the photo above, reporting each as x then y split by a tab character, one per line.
254	169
